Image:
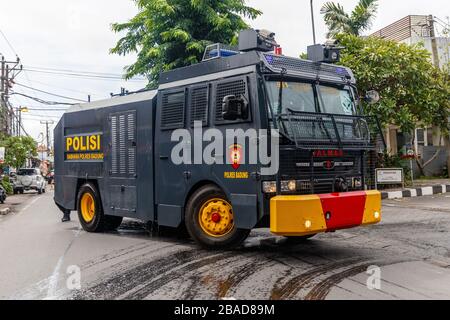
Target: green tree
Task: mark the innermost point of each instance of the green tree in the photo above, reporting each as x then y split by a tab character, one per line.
359	20
412	90
18	150
168	34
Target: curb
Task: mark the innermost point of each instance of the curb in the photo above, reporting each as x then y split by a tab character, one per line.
5	212
415	192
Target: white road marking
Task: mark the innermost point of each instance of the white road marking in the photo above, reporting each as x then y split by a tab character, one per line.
53	280
30	204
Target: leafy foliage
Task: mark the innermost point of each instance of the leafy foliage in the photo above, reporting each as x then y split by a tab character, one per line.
412	90
387	160
6	184
168	34
339	21
18	150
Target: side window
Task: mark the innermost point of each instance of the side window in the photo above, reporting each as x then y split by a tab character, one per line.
237	87
199	102
173	110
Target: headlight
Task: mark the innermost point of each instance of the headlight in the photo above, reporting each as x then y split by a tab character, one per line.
269	187
286	186
289	186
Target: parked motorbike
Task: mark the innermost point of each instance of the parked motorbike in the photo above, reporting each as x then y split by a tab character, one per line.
3	195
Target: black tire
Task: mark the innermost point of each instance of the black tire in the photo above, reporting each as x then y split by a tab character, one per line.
234	238
112	223
39	191
22	191
299	240
15	191
100	221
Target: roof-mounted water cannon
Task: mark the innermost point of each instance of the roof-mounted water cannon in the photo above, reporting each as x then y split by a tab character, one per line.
329	52
257	40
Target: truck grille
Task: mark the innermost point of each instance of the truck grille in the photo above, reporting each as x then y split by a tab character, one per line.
317	175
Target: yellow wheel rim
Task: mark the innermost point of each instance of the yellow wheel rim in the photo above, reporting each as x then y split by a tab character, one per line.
87	207
216	218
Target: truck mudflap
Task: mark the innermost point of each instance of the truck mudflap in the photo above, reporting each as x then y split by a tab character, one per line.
312	214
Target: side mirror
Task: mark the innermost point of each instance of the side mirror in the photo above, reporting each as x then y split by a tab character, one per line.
372	97
234	108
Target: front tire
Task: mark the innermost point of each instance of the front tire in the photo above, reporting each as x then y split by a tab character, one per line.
210	220
90	211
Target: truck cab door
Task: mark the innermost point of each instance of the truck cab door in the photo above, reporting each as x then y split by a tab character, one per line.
122	164
170	178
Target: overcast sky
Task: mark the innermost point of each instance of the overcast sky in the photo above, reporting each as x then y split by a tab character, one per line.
76	35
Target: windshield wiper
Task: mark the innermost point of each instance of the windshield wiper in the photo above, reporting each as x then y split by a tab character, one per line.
280	103
277	120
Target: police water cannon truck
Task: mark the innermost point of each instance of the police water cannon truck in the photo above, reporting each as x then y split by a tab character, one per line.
165	156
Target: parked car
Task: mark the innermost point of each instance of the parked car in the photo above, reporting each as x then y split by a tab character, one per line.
29	179
2	195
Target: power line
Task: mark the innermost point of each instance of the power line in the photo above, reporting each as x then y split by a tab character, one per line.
43	101
85	76
47	109
446	23
49	93
76	71
9	43
63	88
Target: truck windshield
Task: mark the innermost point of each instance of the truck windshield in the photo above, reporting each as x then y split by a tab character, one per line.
335	100
296	96
300	97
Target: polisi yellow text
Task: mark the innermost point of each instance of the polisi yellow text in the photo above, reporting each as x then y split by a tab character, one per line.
83	143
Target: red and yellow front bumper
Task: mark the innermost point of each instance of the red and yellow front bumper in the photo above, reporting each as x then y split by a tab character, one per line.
311	214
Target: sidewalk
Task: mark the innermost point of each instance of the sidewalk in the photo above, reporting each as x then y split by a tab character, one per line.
420	188
14	202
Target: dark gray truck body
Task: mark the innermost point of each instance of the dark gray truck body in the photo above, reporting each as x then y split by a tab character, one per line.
136	177
126	127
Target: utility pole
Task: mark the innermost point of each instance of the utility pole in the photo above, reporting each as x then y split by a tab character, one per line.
313	22
9	71
434	45
47	130
18	128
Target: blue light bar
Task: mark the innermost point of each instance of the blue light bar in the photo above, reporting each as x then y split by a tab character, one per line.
222	53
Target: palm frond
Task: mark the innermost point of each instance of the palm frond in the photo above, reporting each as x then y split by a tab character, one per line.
363	14
335	18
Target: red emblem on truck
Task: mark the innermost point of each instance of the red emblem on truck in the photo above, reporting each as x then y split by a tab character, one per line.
235	156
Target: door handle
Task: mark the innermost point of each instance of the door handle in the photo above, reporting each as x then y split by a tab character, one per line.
164	157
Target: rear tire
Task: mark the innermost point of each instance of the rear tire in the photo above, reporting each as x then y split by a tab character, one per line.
205	203
90	211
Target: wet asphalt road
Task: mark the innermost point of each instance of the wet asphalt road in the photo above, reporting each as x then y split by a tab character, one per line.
411	248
